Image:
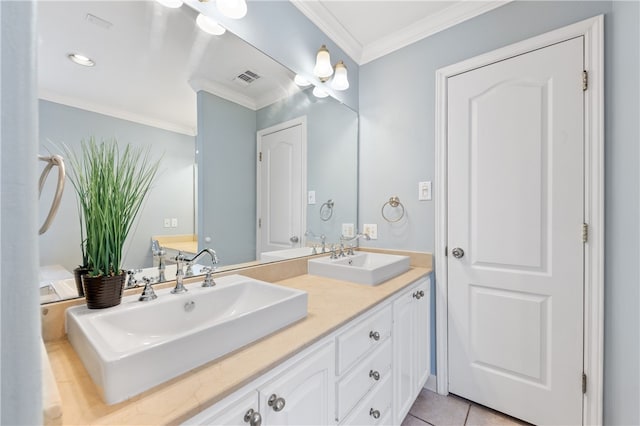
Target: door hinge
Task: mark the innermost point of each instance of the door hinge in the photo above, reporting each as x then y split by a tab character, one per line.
260	223
585	80
585	232
584	383
260	156
446	251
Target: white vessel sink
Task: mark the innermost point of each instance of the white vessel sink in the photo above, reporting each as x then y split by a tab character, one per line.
136	345
270	256
361	268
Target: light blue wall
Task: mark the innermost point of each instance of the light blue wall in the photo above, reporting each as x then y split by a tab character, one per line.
397	111
171	196
332	153
278	29
226	159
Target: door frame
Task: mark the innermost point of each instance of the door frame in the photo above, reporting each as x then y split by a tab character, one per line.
593	31
301	121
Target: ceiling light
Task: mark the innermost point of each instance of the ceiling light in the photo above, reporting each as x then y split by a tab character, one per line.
81	60
340	81
234	9
301	81
323	68
173	4
319	92
208	25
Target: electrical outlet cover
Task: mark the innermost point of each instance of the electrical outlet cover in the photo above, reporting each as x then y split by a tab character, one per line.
371	229
174	222
348	230
167	222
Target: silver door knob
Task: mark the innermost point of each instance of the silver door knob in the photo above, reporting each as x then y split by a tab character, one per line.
294	239
253	418
457	252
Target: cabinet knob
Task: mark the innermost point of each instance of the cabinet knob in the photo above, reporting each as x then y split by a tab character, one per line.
374	374
374	413
253	418
421	293
374	335
277	403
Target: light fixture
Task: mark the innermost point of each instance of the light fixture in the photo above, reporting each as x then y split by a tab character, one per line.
319	92
234	9
323	69
301	81
173	4
209	26
340	81
81	59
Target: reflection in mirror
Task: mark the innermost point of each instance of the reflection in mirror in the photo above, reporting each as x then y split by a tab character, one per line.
158	80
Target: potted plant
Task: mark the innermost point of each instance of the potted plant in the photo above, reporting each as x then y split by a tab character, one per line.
111	184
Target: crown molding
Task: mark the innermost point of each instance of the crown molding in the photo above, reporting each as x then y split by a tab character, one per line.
447	18
222	92
328	24
453	15
116	113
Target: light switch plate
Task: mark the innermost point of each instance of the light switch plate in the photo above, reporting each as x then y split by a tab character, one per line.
311	197
174	222
424	191
167	222
371	229
348	230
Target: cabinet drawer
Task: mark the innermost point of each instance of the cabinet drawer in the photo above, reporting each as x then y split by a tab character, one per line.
360	339
377	401
361	379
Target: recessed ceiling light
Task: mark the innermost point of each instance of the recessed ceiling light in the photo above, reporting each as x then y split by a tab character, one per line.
81	59
208	25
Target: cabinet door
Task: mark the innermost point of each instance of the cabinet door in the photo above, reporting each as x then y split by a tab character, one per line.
228	414
423	335
304	394
404	353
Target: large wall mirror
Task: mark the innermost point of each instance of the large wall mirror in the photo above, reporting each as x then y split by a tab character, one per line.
204	104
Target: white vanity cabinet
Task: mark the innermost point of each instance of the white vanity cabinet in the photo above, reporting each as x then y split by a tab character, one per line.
411	357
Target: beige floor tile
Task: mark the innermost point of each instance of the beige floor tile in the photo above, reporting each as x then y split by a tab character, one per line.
483	416
413	421
440	410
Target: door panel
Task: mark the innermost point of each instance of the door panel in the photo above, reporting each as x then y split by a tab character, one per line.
515	203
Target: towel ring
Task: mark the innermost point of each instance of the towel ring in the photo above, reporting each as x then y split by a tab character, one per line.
326	210
54	160
393	202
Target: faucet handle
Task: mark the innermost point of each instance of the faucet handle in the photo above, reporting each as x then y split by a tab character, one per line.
148	293
208	280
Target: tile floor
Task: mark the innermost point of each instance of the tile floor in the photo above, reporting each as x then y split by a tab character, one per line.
437	410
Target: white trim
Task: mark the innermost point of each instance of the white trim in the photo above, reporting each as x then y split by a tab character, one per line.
198	84
298	121
593	31
430	385
428	26
117	113
361	54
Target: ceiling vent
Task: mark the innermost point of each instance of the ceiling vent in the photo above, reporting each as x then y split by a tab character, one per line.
245	78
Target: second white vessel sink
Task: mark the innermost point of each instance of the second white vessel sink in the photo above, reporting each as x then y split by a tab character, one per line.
361	268
136	345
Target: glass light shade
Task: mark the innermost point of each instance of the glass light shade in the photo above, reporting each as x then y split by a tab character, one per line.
81	60
319	92
173	4
340	81
234	9
301	81
209	26
323	68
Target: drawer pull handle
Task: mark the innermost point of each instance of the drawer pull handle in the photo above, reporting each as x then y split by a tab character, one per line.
374	413
374	335
374	374
277	403
253	418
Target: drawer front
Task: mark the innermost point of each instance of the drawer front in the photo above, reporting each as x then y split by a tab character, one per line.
362	379
377	403
363	338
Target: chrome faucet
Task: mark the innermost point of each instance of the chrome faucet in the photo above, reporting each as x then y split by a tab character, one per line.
359	235
180	259
161	253
322	238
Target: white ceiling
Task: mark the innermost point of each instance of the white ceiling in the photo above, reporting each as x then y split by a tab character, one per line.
369	29
148	62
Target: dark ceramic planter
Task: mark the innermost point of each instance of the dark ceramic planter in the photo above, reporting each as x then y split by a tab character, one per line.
103	291
77	274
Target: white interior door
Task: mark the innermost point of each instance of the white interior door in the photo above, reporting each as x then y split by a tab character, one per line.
282	177
515	215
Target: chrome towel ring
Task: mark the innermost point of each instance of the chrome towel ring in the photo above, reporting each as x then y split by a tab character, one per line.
393	202
326	210
54	160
